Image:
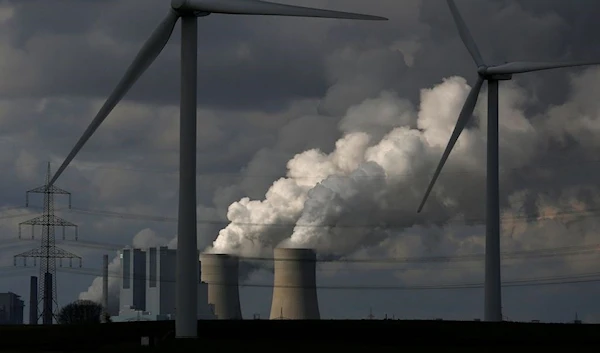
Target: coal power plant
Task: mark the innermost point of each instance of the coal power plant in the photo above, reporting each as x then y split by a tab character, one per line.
220	272
295	285
143	293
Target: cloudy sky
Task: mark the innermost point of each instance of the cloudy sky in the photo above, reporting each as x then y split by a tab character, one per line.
323	132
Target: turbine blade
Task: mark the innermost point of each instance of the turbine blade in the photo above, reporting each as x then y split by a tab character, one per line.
257	7
465	34
463	119
518	67
145	57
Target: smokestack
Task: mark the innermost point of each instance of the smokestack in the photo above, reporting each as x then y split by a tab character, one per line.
295	285
47	314
220	272
104	287
33	300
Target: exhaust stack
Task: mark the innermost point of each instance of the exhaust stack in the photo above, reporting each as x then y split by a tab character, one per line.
104	288
33	300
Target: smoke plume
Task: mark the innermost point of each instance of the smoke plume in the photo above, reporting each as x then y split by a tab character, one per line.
365	192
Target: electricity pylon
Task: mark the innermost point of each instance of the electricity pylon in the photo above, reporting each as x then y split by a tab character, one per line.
48	252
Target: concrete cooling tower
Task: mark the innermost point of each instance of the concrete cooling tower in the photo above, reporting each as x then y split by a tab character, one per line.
220	272
295	285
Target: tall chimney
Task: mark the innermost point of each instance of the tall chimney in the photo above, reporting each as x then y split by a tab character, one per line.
33	300
47	313
220	272
295	285
104	287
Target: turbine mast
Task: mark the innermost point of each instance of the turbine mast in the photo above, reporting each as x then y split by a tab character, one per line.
493	282
186	289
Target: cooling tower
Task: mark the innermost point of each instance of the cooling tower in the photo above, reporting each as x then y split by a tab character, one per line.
220	272
294	289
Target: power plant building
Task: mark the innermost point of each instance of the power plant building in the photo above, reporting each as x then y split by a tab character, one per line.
155	281
160	286
295	285
160	289
11	309
133	287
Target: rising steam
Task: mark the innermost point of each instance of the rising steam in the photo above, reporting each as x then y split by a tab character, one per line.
368	188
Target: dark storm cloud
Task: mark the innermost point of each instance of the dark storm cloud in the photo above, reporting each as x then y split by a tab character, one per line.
244	62
34	17
236	55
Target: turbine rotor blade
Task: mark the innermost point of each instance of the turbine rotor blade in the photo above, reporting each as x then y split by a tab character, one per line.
518	67
257	7
463	119
145	57
465	34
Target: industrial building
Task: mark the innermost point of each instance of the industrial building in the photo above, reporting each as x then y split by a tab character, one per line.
133	286
148	286
295	285
11	309
220	272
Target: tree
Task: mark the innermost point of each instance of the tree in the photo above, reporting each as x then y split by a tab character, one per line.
80	312
106	317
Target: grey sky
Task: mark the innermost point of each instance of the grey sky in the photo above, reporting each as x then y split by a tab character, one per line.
262	82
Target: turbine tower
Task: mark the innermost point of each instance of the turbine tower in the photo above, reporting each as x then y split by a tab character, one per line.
189	11
491	74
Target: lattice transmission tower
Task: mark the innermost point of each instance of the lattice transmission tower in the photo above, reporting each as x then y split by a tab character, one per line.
48	252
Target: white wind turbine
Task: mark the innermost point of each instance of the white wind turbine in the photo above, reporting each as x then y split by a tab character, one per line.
491	74
189	11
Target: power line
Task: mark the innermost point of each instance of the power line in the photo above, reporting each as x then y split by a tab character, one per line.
564	251
382	226
526	282
537	253
556	162
590	213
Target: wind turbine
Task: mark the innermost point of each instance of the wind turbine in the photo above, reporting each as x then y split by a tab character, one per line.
189	11
491	74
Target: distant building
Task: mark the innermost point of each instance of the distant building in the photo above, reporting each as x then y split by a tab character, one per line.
11	309
133	286
127	313
155	281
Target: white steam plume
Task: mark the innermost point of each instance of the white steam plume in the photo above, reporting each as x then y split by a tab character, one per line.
368	188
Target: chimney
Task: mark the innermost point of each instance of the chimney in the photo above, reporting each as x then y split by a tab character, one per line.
47	314
33	300
104	287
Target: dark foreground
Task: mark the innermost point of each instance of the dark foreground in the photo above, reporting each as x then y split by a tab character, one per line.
274	335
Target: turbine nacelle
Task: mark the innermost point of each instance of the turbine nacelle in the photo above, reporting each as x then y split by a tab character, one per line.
481	70
187	7
484	73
